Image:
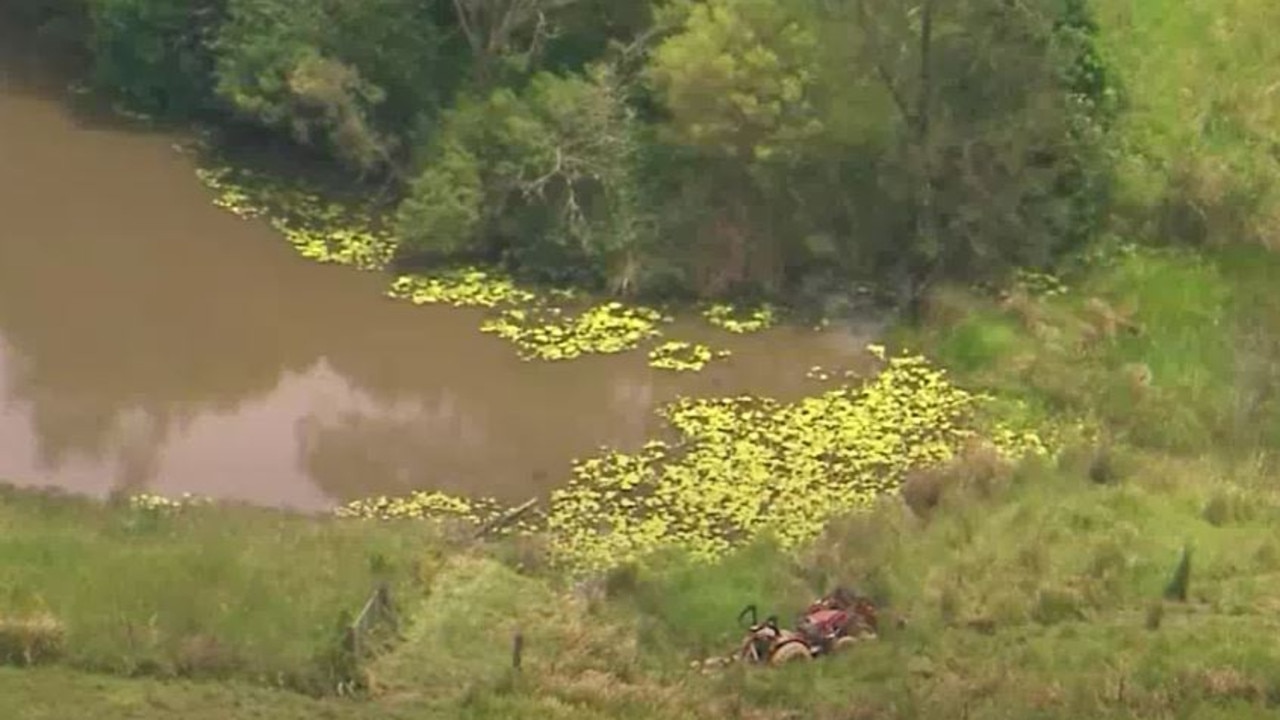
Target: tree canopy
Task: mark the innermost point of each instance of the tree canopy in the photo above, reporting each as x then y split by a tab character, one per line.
711	146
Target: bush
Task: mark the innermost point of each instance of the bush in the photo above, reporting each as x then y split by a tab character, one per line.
31	639
978	471
443	211
544	177
155	54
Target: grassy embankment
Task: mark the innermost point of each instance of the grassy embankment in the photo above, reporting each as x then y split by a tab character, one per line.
1032	591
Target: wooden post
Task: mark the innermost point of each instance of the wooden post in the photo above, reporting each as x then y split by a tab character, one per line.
517	650
505	518
353	640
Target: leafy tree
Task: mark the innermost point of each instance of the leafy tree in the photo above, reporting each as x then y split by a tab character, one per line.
989	135
155	54
443	210
544	177
736	81
356	77
513	31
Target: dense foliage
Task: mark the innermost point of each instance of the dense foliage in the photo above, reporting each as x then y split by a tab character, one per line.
711	146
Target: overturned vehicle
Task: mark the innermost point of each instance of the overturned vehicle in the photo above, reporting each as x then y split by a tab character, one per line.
831	623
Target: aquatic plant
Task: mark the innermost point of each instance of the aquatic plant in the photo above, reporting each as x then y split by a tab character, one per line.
327	232
424	505
548	334
744	466
736	320
683	356
821	374
149	502
418	505
465	287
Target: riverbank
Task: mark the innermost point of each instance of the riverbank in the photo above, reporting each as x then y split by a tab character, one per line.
225	366
1032	589
1060	621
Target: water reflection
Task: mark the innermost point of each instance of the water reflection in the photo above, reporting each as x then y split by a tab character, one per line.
149	341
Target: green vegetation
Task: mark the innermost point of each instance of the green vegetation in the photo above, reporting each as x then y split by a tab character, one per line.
1027	594
671	147
742	467
1125	573
157	589
683	356
1062	477
1173	350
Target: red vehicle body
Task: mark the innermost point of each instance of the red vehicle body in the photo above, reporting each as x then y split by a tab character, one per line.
830	623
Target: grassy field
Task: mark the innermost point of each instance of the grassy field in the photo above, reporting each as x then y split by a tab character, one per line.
1200	119
1033	590
200	591
1030	592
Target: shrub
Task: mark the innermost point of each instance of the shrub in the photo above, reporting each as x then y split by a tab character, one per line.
31	639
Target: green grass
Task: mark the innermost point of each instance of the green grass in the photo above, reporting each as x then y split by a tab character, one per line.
1026	599
1030	591
1201	115
209	591
1170	350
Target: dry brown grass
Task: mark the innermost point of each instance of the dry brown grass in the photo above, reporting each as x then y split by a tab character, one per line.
31	640
978	469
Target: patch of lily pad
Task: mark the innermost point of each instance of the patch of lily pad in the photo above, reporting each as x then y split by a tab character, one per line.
419	505
149	502
682	356
424	505
740	467
550	333
743	466
821	374
739	320
465	287
319	229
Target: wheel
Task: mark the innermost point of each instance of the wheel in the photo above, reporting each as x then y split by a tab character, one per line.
790	651
844	643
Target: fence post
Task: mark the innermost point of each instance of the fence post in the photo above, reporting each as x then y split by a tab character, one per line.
517	650
352	640
388	609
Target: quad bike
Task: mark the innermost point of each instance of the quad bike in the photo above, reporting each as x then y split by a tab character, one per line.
829	624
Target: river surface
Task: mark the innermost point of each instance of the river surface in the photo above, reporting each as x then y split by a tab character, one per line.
150	342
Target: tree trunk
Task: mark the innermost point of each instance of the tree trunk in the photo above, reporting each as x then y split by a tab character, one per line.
925	248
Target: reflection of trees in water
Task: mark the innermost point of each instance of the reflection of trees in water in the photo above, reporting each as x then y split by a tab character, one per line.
114	316
503	434
136	307
365	450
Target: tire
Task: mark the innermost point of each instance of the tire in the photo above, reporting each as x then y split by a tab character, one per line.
844	643
790	652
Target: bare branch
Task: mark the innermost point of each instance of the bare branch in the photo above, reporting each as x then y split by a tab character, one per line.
882	70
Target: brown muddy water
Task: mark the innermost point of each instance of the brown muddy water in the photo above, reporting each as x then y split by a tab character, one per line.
150	342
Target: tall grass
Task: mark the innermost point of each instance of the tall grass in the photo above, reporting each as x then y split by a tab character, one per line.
1023	602
206	591
1202	114
1171	350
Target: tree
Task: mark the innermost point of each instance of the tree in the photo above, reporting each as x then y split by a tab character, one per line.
987	131
154	54
544	177
736	81
492	29
355	77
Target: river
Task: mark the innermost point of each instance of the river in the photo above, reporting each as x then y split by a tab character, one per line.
150	342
